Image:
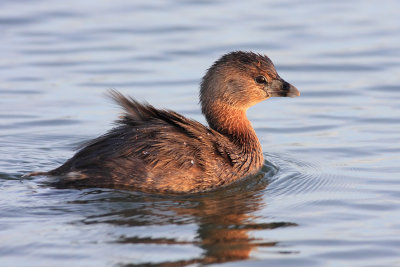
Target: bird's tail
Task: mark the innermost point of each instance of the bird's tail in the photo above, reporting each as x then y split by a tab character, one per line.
35	174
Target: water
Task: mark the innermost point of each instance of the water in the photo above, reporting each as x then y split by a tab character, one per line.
331	194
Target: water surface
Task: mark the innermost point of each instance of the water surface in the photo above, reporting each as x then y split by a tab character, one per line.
330	195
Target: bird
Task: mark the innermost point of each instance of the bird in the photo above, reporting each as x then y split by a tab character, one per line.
160	151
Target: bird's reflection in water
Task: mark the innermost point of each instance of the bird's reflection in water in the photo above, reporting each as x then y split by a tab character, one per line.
225	219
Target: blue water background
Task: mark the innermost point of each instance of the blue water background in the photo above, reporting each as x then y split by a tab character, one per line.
331	195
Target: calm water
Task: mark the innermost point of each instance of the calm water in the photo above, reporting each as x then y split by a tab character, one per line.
331	192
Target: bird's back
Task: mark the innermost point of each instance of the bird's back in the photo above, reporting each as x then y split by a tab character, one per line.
154	150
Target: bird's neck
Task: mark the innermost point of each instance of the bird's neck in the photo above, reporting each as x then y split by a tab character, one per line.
233	123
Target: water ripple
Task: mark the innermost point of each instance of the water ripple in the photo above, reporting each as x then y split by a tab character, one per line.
298	177
303	129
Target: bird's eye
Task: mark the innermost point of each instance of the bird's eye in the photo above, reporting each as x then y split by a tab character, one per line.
260	79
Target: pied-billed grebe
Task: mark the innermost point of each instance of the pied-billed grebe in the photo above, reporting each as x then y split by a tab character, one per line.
161	151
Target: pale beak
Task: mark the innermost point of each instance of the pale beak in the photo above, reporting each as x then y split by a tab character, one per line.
281	88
